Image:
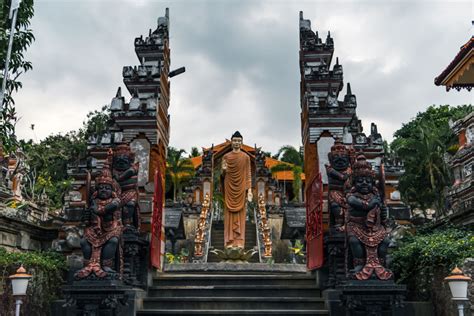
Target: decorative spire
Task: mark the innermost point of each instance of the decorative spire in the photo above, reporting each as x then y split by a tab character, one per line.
337	61
349	90
119	92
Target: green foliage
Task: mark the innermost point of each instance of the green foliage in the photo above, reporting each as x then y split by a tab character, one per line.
290	154
49	158
194	152
178	170
46	268
297	171
298	249
419	257
48	162
23	38
422	145
97	123
181	258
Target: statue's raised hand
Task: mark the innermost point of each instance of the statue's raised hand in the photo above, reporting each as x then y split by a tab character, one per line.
224	165
250	195
375	202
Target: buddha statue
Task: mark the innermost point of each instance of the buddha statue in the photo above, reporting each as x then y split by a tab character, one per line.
237	189
366	225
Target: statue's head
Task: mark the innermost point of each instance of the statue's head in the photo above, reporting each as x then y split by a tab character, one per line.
363	177
236	140
123	157
104	185
339	157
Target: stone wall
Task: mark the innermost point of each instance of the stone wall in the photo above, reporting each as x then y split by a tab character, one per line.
468	269
20	235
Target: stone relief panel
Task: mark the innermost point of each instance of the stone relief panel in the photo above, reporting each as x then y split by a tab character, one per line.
141	148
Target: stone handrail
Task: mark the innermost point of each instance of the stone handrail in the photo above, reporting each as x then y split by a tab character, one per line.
264	239
203	231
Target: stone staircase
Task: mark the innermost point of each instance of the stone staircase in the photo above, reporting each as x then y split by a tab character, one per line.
217	239
236	292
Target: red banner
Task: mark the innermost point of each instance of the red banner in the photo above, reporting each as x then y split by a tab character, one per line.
314	224
157	230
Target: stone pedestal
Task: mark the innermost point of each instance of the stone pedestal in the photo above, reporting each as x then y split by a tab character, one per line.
135	259
98	298
336	259
367	298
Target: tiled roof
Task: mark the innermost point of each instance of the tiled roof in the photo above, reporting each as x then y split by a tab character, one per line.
463	52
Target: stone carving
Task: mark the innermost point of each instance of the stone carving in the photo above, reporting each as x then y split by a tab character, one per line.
101	244
339	181
366	225
125	172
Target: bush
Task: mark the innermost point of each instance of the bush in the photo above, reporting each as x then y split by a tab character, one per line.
46	268
422	261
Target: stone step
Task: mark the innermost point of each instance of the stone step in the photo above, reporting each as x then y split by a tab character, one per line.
234	291
235	312
233	279
220	268
254	303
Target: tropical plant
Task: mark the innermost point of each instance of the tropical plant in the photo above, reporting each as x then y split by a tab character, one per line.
293	161
422	145
48	159
290	154
194	152
423	260
23	38
296	170
47	270
179	169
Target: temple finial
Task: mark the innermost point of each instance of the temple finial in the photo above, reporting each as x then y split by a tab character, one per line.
119	92
349	90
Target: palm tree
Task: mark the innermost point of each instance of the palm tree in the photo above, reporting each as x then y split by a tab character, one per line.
426	171
179	169
297	170
294	162
290	154
194	152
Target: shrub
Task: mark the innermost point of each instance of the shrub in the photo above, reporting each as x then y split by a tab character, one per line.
422	261
46	268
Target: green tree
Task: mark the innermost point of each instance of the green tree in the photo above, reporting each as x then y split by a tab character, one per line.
48	159
297	171
294	162
23	38
290	154
422	145
178	169
194	152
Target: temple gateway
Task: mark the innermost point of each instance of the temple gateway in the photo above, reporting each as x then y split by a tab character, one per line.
242	241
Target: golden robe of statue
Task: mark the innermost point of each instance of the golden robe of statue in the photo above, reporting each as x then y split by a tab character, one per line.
237	183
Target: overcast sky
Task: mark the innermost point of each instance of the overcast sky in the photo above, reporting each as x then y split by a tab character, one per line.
241	61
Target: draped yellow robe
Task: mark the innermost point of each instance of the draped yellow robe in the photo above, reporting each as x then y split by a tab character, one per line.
237	180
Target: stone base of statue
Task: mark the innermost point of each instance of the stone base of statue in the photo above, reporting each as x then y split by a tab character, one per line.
234	254
372	297
335	245
104	297
135	259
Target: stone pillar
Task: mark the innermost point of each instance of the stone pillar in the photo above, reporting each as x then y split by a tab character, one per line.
468	269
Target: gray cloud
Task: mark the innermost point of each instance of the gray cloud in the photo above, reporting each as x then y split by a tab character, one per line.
241	61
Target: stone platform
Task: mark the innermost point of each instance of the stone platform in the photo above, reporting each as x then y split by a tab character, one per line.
235	268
